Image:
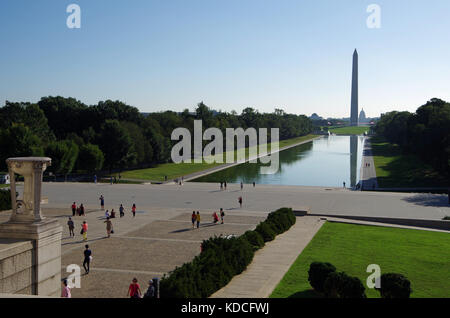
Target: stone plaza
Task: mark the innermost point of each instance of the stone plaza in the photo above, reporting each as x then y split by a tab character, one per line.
161	237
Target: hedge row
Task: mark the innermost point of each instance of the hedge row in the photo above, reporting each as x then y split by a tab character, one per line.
5	199
223	258
326	281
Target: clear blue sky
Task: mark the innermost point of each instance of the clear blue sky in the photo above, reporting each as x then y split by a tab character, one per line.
231	54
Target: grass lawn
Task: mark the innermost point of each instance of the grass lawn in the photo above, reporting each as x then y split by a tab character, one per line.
4	186
173	170
350	130
422	256
395	169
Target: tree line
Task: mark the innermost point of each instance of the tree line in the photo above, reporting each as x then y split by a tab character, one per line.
113	135
425	133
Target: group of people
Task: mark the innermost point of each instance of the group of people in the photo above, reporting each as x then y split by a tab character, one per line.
134	290
108	215
77	210
223	185
196	218
84	228
112	214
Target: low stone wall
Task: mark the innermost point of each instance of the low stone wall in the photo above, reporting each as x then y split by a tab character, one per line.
16	266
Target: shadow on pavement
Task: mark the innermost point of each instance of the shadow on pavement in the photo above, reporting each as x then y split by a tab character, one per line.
435	200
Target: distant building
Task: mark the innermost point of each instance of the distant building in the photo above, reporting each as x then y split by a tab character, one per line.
315	117
362	116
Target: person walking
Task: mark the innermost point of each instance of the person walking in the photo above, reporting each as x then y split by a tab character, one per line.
87	258
222	215
71	226
82	209
121	211
242	185
221	186
254	184
107	214
95	178
193	219
102	202
150	293
198	218
240	201
113	214
84	229
134	290
74	208
344	184
65	292
225	185
133	209
108	227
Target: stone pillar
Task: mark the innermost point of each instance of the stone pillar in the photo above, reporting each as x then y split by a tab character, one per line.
27	222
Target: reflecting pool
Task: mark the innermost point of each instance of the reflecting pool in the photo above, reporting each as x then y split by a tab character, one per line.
329	161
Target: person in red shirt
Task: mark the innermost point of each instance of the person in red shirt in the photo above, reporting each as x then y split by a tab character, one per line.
74	209
133	209
134	291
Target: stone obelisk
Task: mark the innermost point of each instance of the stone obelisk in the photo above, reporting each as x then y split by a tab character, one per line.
354	102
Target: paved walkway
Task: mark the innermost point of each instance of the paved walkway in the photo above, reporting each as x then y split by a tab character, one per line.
207	196
368	172
272	261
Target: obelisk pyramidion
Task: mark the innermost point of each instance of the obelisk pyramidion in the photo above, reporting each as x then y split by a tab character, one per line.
354	102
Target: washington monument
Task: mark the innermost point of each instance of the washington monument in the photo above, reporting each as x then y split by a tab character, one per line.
354	102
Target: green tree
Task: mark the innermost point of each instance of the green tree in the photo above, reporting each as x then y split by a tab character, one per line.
64	154
90	158
116	144
18	141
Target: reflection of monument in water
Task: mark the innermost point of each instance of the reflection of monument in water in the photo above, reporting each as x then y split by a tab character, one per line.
353	159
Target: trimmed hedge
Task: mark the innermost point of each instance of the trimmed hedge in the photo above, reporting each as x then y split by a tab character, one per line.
5	199
318	273
255	239
340	285
221	259
266	231
325	280
394	286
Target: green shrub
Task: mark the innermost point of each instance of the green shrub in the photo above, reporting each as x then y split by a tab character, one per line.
281	220
5	199
333	284
394	286
255	239
220	260
266	231
351	287
317	274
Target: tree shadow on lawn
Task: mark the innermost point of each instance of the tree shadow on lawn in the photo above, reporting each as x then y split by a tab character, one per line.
309	293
